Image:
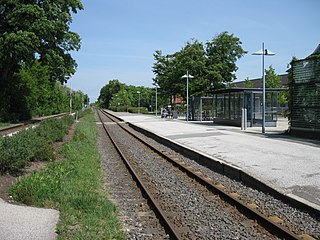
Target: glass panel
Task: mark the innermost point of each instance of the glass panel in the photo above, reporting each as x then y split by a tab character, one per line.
220	106
226	106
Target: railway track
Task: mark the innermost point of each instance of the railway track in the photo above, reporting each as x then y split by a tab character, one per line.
9	130
192	220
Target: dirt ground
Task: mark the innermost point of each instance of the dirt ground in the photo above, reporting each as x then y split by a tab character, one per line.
8	179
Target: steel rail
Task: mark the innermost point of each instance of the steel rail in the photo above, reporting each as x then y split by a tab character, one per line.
21	126
174	233
250	212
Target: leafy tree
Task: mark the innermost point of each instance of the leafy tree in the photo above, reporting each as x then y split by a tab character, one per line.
272	79
163	68
222	53
31	30
44	97
191	58
107	92
118	96
170	68
248	83
212	65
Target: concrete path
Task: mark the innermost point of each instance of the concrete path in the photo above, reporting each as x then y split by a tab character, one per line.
289	165
27	223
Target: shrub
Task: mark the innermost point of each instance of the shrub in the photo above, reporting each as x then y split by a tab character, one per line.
136	110
53	130
32	145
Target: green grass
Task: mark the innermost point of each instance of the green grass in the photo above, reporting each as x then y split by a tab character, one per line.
74	187
4	124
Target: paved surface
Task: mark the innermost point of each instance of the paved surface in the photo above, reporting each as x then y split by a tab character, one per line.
27	223
287	164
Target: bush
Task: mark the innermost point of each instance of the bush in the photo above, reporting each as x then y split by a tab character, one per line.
32	145
136	110
53	130
13	155
82	113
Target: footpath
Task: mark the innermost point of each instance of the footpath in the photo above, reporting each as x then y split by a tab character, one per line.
21	222
287	164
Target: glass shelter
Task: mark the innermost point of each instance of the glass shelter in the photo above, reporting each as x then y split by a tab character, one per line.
225	105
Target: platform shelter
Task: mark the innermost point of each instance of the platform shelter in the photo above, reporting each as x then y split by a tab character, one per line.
225	106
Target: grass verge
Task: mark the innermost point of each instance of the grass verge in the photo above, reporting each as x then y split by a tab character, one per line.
74	187
4	124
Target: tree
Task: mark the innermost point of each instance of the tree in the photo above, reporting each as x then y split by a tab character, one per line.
248	83
272	79
107	92
212	65
191	58
222	53
31	30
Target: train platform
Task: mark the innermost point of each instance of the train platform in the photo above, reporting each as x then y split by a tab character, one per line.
287	164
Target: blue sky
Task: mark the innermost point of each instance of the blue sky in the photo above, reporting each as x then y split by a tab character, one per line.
119	37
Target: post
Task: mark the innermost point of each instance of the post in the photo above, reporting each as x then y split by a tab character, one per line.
200	109
139	104
70	98
187	76
263	93
187	96
243	119
156	101
264	52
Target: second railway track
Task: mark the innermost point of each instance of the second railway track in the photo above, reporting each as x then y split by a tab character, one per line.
194	207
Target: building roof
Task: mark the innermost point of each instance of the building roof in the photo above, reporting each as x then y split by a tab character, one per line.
316	51
257	83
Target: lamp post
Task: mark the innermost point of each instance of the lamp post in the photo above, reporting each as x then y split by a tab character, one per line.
187	76
70	100
263	52
139	102
156	85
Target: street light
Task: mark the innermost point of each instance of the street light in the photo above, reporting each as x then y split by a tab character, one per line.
139	102
187	76
156	85
70	100
263	52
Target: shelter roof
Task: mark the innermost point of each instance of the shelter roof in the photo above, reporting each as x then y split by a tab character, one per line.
316	51
232	90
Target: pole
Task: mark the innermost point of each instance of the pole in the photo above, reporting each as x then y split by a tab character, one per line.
200	109
263	93
139	104
70	98
187	96
156	101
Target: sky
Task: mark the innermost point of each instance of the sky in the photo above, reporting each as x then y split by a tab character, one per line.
119	37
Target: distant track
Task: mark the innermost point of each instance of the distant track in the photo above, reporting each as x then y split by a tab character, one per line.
27	124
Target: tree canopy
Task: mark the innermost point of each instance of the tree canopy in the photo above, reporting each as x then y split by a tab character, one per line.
118	96
212	64
272	79
34	31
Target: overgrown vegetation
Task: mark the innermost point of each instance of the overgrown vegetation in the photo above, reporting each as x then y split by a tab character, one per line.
74	187
35	46
118	96
32	144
